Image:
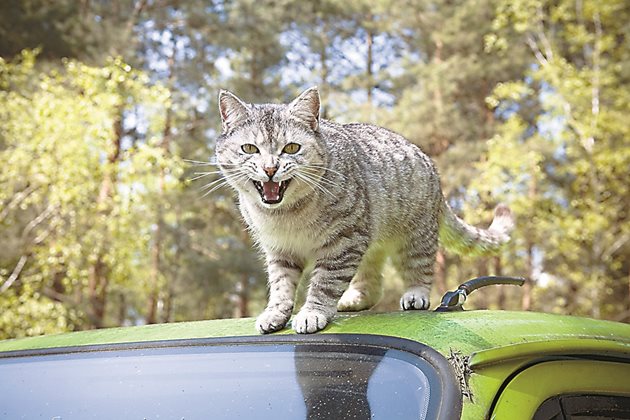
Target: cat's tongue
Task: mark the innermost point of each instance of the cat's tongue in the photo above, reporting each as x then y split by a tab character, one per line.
271	190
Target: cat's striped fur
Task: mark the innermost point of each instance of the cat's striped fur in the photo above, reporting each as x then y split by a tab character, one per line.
357	194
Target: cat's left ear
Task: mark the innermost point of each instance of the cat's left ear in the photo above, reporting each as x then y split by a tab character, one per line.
305	108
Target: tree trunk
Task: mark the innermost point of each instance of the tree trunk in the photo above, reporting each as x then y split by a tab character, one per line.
440	142
167	315
498	271
243	298
97	292
526	301
98	272
370	62
122	309
154	276
440	273
325	71
482	271
156	249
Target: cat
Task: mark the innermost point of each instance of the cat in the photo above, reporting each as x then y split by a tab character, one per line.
338	199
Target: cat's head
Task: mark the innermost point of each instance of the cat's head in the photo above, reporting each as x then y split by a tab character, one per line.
272	154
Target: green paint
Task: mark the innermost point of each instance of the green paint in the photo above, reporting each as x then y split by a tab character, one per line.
540	348
468	332
529	389
499	342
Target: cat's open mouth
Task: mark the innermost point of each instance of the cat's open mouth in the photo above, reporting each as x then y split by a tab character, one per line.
271	192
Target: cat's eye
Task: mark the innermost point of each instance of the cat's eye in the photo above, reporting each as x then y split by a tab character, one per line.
250	149
292	148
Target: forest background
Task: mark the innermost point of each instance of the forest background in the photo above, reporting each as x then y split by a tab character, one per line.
104	104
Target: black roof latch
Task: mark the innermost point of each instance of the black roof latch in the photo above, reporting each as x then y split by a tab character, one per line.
453	301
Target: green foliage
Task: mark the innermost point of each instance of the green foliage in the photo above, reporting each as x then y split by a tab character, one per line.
66	28
59	143
566	164
101	223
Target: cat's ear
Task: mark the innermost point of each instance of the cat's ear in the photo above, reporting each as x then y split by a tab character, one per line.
305	108
233	110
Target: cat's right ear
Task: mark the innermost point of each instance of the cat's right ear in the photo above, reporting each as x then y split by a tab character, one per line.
305	108
233	111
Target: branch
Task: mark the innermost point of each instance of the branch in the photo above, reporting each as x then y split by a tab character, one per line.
205	252
59	297
15	201
531	43
596	79
541	34
544	55
38	220
15	274
621	241
139	6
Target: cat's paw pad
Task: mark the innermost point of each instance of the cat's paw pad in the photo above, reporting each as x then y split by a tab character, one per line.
272	320
353	300
309	321
415	299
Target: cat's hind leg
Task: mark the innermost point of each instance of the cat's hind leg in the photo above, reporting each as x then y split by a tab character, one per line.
415	262
366	288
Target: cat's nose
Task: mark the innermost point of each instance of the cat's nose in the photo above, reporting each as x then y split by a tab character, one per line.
270	171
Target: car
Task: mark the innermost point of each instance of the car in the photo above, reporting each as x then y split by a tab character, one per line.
447	364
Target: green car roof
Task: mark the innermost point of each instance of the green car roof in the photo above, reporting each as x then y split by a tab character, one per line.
489	334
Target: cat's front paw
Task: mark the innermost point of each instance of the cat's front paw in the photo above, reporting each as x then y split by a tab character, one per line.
415	298
308	321
272	319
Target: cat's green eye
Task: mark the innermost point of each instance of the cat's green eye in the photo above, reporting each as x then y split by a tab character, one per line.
250	149
292	148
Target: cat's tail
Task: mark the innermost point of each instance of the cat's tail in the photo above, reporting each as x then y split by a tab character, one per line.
464	239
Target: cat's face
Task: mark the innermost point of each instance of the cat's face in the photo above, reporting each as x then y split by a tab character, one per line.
271	154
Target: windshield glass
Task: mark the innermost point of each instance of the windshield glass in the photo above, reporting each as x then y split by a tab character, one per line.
313	381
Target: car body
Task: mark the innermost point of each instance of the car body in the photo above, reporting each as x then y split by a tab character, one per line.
483	364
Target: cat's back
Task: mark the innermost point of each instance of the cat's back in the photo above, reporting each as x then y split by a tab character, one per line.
394	177
378	148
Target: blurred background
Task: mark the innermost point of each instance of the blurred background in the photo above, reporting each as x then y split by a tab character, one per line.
104	103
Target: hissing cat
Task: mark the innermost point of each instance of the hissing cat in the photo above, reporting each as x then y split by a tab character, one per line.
340	199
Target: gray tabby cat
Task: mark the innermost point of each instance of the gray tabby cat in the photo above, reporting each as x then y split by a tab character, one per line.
339	199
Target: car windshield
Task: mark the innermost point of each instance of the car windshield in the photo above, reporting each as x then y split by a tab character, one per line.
262	381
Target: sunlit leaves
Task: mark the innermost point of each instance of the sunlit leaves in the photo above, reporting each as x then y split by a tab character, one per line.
571	156
58	132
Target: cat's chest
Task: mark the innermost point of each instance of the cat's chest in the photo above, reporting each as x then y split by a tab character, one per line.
283	233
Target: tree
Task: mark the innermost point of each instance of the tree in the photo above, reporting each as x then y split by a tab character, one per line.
68	182
85	30
572	153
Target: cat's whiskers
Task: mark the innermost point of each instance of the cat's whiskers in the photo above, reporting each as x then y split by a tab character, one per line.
198	176
197	162
320	167
220	171
224	182
320	177
299	178
208	173
312	182
210	184
236	174
311	177
212	162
